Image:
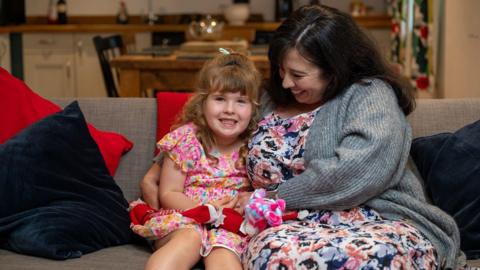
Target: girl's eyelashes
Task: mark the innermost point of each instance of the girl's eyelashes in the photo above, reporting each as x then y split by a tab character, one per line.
243	100
220	97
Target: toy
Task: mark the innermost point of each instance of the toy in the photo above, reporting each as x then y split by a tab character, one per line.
260	212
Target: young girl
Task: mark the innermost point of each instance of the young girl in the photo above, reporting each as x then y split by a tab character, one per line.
204	163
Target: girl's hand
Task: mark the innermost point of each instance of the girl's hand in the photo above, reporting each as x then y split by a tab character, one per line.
242	201
227	202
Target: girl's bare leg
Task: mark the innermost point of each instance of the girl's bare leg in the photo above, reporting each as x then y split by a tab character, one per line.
178	250
222	258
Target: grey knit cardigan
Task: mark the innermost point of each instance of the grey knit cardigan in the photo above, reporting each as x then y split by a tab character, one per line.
356	153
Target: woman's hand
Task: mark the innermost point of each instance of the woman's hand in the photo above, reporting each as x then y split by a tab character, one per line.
242	201
149	186
227	202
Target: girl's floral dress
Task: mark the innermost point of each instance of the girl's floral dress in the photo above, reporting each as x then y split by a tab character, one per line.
357	238
206	181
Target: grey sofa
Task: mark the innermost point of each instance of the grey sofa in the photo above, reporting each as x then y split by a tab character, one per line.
136	119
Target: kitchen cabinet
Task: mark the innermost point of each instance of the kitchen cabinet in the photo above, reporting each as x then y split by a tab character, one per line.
88	75
66	64
49	64
63	65
5	51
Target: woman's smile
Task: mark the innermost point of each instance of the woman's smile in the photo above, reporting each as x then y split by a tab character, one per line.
303	78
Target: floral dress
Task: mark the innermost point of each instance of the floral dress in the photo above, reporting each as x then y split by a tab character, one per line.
206	181
358	238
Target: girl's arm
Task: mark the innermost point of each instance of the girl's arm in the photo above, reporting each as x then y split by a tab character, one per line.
170	191
149	186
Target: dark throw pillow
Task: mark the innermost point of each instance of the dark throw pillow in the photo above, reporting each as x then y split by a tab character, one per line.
58	198
449	163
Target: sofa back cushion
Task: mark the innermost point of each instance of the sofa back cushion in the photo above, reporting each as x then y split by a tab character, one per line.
136	119
433	116
169	107
449	165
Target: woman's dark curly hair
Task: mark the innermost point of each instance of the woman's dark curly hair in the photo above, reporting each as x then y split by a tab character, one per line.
332	40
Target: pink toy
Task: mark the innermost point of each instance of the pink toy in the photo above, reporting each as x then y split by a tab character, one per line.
261	212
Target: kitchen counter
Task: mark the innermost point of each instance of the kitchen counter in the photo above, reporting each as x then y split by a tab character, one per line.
371	22
121	28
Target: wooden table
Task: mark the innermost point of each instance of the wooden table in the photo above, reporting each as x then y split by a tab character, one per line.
140	73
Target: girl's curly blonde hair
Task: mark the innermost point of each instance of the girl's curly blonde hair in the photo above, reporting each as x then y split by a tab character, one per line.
225	73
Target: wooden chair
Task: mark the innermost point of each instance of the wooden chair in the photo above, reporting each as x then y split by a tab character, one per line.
107	48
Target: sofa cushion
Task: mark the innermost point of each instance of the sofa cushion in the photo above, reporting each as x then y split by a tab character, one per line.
61	201
169	105
20	107
449	163
129	257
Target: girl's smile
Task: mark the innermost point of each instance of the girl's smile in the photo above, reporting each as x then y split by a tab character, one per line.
227	115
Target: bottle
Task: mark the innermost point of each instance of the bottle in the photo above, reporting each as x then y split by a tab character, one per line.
357	8
283	8
122	15
61	11
52	13
151	17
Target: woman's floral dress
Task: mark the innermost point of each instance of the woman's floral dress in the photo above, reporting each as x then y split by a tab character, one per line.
357	238
206	181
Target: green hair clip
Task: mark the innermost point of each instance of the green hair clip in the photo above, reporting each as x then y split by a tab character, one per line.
223	51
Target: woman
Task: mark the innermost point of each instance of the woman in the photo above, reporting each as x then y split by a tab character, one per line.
334	140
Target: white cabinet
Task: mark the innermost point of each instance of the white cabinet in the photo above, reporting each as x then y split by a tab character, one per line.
49	64
5	52
88	75
63	65
50	75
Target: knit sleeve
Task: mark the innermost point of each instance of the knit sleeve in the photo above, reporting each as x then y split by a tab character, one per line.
370	140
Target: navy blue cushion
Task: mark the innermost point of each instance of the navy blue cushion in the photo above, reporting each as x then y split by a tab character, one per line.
449	163
58	199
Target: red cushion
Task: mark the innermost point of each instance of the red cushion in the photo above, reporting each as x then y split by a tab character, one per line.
20	107
169	105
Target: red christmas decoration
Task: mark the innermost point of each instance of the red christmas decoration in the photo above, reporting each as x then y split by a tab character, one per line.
422	82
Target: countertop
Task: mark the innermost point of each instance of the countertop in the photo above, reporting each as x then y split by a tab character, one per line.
371	22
